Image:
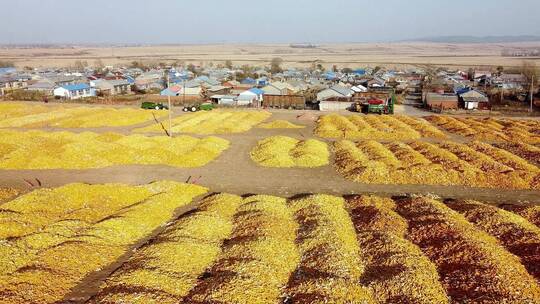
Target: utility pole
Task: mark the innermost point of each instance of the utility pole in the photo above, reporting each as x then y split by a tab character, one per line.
169	104
532	93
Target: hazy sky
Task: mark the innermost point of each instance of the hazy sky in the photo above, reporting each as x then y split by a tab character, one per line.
206	21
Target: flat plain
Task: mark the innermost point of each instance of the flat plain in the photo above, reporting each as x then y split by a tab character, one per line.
352	55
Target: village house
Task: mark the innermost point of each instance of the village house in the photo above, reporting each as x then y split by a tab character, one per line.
111	87
43	85
438	101
278	88
470	99
252	96
75	91
336	91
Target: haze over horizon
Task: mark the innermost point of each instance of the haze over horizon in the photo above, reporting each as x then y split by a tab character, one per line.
240	21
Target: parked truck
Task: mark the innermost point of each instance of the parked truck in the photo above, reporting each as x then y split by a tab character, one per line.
374	102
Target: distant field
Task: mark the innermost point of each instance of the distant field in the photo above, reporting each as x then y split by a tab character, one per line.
345	55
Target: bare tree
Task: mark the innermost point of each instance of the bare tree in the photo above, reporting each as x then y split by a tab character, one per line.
275	65
530	71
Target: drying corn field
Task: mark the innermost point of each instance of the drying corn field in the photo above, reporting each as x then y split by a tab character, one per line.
98	205
38	116
491	129
375	127
474	164
65	150
261	249
213	122
288	152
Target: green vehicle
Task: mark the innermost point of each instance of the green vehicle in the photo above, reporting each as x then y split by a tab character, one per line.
201	107
153	106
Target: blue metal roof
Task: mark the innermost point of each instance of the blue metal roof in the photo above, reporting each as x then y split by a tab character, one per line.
462	91
256	91
248	81
76	87
359	71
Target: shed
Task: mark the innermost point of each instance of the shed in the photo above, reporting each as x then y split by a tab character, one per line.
441	101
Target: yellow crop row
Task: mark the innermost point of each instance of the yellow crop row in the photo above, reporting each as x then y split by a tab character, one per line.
490	129
30	116
448	163
166	269
529	212
287	152
515	233
471	263
375	127
523	150
280	124
64	150
79	236
213	122
331	267
257	260
381	234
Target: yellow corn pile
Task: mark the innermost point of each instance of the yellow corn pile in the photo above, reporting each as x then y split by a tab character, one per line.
171	265
381	235
31	116
331	265
490	129
53	238
287	152
213	122
257	260
64	150
280	124
448	163
472	264
515	233
375	127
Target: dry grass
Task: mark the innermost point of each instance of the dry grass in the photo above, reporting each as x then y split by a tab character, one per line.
375	127
331	266
448	163
280	124
287	152
213	122
38	116
515	233
396	270
472	265
54	238
166	269
64	150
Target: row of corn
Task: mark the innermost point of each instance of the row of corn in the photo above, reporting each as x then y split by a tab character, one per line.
490	129
214	122
25	116
65	150
288	152
263	249
375	127
52	239
475	164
